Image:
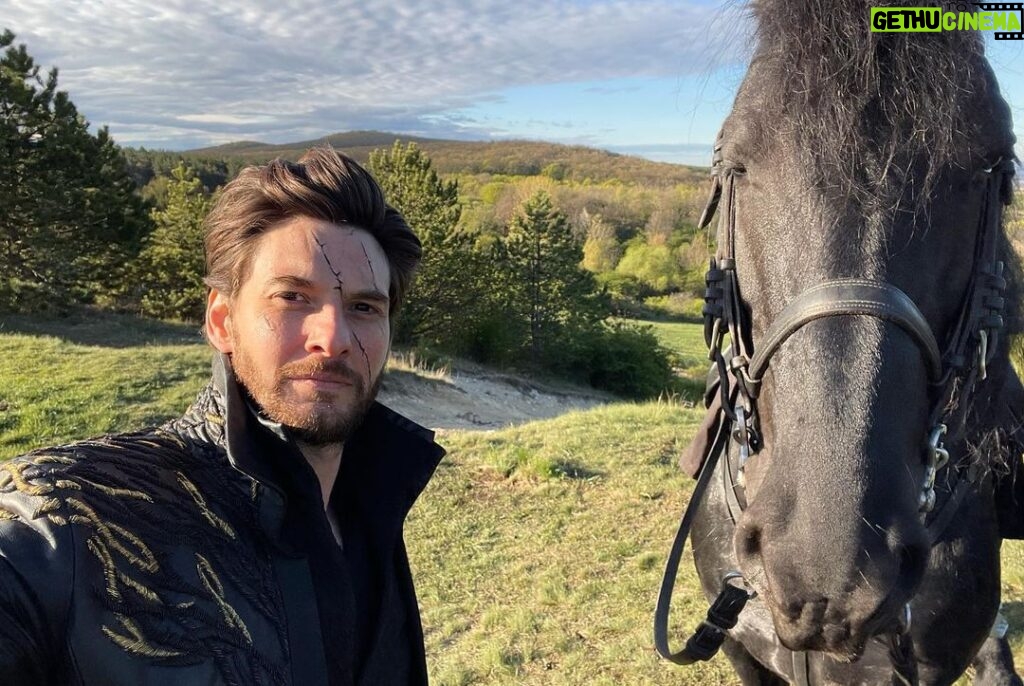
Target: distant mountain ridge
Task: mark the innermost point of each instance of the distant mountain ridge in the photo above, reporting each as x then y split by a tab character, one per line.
513	157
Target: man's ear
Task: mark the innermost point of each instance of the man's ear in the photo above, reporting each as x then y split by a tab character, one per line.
218	321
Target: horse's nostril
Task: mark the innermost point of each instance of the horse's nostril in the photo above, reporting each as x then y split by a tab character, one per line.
748	541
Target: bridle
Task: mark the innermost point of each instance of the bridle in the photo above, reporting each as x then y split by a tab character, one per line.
737	373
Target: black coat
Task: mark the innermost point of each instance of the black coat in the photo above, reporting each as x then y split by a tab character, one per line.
199	553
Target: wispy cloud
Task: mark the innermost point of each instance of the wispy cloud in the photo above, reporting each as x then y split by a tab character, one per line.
179	73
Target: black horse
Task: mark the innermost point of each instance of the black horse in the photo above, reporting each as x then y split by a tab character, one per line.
861	397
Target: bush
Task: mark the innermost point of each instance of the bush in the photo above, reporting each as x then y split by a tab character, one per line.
620	286
655	266
625	360
492	339
676	306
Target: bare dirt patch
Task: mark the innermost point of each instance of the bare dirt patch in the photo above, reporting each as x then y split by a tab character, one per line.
473	397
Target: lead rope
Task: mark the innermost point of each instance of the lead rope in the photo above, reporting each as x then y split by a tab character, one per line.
724	611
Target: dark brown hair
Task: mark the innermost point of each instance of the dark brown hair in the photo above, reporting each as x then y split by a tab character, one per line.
323	184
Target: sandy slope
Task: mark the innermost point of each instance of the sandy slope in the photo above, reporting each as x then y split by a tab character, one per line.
474	397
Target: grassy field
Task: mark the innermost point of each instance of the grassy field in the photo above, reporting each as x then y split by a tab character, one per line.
686	341
71	378
537	549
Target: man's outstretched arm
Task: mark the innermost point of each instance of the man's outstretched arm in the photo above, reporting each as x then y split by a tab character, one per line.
36	572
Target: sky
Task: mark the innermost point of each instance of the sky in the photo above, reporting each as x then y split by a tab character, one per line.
653	78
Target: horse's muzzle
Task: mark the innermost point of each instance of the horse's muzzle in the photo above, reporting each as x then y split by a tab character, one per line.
832	599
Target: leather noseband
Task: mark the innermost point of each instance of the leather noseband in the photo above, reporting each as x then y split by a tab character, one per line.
844	297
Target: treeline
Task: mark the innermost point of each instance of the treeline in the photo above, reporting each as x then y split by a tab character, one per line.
519	296
517	270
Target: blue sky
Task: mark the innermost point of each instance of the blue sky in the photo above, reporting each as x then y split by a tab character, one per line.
647	77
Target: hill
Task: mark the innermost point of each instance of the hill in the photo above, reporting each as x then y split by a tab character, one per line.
514	158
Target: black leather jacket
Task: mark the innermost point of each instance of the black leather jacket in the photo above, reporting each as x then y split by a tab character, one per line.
198	553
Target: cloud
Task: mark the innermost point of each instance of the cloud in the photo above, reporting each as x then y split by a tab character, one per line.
175	72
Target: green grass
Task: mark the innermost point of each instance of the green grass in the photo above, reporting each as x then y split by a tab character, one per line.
89	374
684	339
537	550
685	342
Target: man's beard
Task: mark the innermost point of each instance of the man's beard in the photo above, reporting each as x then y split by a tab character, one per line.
328	421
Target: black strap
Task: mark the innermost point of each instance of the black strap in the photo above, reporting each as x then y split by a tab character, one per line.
689	654
841	297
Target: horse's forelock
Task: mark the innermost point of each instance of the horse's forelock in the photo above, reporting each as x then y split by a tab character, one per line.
870	113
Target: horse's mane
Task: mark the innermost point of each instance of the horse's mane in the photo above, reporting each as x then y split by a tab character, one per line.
875	115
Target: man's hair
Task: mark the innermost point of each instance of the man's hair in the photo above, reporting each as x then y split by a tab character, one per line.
323	184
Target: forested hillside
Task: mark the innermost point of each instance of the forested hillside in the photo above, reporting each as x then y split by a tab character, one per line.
519	158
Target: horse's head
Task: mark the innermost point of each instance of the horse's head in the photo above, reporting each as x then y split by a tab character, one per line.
852	155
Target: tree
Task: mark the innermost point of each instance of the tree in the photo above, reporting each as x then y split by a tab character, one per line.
601	251
68	213
446	299
169	270
548	292
655	266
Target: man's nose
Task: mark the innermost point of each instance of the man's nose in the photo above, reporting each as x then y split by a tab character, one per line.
328	332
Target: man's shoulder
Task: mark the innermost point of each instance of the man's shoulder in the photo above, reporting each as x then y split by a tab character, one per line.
143	466
154	446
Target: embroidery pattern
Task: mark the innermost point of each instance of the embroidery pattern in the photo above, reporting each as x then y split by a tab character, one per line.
138	500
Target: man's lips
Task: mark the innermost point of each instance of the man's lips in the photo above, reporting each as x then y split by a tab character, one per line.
324	379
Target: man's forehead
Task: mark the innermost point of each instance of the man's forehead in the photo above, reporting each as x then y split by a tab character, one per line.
310	232
303	248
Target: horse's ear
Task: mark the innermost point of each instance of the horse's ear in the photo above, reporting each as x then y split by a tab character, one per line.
1009	482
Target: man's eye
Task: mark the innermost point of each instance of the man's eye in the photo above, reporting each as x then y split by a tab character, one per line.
290	296
366	308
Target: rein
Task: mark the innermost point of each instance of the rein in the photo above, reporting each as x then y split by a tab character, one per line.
737	371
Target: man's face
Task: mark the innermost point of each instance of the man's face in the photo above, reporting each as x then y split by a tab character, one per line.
308	331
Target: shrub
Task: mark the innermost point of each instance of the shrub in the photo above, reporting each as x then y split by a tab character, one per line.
623	359
676	306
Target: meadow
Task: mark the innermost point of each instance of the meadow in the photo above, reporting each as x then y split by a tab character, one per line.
537	549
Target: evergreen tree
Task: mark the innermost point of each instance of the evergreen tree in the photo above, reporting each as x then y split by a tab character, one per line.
548	292
68	214
169	270
447	298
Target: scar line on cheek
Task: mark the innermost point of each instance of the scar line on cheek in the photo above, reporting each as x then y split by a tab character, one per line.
366	358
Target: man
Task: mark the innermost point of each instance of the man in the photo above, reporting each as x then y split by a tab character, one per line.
258	538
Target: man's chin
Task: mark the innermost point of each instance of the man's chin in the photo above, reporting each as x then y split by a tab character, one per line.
317	416
325	431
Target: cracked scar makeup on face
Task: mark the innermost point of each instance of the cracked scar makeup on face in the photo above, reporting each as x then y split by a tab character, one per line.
336	272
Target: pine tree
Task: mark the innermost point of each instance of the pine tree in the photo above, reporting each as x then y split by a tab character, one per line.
68	214
446	298
169	270
547	291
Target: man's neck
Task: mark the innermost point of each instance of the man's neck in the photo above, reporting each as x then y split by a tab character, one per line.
325	461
